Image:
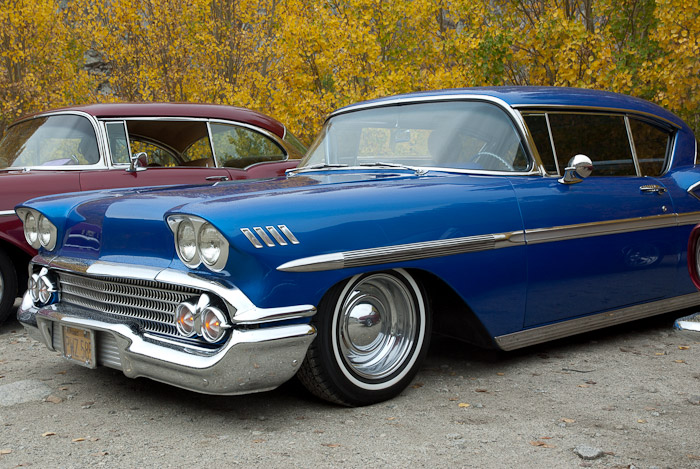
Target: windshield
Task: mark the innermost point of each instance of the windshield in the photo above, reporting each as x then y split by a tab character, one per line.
458	134
49	141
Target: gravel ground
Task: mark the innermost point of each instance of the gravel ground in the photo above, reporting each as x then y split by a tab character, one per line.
623	397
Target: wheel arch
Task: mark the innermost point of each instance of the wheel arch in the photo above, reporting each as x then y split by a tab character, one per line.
451	315
20	259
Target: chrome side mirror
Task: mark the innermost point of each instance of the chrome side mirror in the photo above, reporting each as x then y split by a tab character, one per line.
578	169
138	162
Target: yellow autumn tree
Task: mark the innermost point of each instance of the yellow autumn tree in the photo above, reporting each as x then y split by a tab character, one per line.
300	59
674	75
41	64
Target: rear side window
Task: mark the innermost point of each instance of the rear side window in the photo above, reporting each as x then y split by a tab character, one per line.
651	144
602	138
239	147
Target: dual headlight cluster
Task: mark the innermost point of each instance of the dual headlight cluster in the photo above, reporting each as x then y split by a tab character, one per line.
198	242
38	230
201	317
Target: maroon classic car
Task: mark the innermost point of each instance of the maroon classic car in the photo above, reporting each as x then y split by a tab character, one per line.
122	145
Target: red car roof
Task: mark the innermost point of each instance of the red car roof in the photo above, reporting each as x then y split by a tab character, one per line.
210	111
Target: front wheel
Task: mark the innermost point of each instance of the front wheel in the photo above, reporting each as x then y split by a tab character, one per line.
373	333
8	286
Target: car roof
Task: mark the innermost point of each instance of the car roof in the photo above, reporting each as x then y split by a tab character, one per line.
192	110
536	97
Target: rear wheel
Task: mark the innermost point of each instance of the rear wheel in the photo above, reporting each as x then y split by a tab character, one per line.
8	286
373	332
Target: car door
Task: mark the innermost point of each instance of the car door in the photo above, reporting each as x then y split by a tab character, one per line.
606	242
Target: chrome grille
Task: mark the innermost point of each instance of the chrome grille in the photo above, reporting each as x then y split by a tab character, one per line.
150	304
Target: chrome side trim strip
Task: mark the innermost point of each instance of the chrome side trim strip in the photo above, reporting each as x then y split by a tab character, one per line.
587	230
402	252
690	218
6	212
598	321
448	247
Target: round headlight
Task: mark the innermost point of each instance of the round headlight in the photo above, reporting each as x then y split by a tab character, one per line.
184	319
213	324
187	242
46	230
210	244
31	230
45	290
33	288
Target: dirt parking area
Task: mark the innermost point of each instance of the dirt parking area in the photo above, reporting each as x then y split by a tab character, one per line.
624	397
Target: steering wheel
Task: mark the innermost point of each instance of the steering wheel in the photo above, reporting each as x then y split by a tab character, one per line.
486	154
74	158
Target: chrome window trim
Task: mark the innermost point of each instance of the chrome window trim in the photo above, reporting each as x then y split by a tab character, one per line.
99	135
274	137
452	246
570	327
211	145
441	169
514	115
601	109
692	188
633	149
108	154
551	142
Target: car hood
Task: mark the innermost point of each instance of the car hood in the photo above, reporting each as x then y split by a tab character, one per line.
326	212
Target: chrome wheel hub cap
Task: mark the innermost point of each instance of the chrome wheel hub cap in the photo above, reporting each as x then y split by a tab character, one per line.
377	327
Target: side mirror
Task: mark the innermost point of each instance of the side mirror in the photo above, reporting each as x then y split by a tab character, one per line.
578	169
138	162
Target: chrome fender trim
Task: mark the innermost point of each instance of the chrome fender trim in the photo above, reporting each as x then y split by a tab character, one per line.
449	247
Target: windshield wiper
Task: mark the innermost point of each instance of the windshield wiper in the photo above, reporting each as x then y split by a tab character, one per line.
315	166
418	171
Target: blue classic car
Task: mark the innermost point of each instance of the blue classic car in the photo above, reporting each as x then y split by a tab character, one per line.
502	216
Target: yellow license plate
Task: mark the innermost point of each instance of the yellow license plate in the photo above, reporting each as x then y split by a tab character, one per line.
79	346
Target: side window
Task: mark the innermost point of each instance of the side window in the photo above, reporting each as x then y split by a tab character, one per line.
240	147
651	144
157	155
118	142
537	124
602	138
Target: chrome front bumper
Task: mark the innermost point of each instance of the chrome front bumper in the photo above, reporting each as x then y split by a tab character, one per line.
689	326
253	359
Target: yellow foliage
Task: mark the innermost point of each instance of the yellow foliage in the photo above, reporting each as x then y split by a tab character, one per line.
40	63
299	59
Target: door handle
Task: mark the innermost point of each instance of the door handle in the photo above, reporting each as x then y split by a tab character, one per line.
217	178
653	188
